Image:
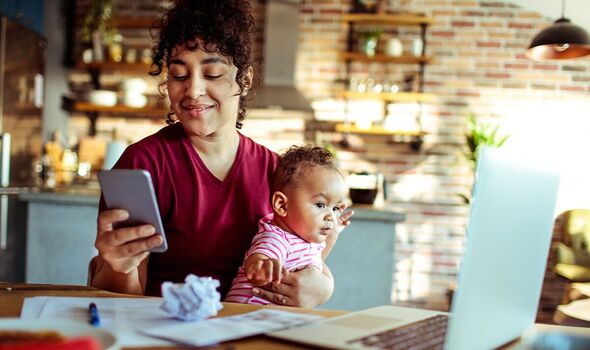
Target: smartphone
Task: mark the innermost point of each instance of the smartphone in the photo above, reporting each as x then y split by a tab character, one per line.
132	190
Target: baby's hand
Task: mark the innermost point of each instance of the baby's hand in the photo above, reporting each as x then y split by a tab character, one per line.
261	270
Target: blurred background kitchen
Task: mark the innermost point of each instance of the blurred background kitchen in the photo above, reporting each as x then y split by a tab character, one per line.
402	91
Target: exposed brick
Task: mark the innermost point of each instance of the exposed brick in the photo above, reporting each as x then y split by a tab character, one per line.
574	68
494	4
488	44
529	15
500	35
441	33
513	85
462	24
502	14
519	25
445	12
543	86
545	66
464	3
498	75
516	66
472	13
572	88
492	24
468	94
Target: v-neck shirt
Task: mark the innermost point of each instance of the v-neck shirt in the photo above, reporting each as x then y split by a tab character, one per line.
209	222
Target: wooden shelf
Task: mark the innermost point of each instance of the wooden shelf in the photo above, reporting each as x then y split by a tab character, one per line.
387	19
381	58
85	107
330	126
133	22
115	66
376	130
389	96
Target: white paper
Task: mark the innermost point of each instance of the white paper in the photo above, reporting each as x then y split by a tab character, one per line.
216	330
123	317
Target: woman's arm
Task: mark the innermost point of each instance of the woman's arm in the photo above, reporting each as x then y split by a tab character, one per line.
306	288
123	254
133	282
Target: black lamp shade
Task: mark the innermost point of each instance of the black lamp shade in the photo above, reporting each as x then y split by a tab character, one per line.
563	40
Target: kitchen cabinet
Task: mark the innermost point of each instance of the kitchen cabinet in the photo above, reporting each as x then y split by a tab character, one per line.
356	23
60	235
363	260
28	13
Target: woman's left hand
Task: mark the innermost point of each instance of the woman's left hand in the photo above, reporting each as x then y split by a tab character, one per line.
305	288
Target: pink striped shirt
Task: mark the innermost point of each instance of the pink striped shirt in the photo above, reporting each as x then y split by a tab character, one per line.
292	251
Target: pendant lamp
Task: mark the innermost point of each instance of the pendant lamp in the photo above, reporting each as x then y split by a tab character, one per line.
561	41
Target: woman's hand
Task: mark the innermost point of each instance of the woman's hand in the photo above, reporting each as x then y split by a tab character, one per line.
306	288
123	249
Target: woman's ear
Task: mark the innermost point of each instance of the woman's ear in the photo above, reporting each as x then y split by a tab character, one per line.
279	203
248	80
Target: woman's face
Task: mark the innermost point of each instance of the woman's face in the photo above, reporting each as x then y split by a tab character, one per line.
203	91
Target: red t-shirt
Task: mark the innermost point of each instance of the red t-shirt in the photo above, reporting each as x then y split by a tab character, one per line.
209	223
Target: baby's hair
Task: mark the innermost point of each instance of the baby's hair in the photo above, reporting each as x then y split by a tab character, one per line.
296	161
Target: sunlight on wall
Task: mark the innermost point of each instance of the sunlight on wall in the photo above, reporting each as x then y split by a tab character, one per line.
557	133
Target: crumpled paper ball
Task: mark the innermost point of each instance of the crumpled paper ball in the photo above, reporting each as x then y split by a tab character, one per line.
195	299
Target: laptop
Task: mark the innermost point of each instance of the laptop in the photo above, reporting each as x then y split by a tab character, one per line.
499	281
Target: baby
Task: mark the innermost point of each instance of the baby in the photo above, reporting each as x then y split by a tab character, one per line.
307	198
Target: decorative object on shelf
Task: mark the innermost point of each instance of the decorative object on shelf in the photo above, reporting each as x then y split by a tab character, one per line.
368	41
417	47
365	6
133	92
97	27
394	47
561	41
131	55
146	56
116	48
366	188
104	98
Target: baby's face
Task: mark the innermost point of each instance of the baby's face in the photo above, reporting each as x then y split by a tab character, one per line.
314	204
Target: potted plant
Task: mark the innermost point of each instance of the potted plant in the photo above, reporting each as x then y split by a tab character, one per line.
368	40
480	134
97	27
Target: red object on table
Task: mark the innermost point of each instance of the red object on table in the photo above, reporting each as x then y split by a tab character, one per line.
81	343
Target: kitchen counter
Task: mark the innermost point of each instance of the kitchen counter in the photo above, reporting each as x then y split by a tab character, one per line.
64	220
376	213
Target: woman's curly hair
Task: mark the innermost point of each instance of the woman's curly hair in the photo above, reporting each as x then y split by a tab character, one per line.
226	26
296	161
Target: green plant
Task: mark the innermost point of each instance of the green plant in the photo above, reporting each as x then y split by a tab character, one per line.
99	19
481	134
478	135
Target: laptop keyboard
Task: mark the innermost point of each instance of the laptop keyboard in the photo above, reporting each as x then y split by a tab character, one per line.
426	334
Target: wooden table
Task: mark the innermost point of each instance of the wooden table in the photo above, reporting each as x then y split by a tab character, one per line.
12	297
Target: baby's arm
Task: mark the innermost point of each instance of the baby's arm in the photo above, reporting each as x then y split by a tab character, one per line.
261	270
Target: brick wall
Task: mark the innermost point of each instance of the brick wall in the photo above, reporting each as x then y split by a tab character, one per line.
479	67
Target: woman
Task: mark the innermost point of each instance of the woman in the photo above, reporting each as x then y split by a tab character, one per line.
212	183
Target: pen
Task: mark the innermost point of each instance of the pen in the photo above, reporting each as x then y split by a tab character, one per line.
93	313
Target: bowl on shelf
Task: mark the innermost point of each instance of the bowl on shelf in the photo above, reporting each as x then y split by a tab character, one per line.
365	188
104	98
